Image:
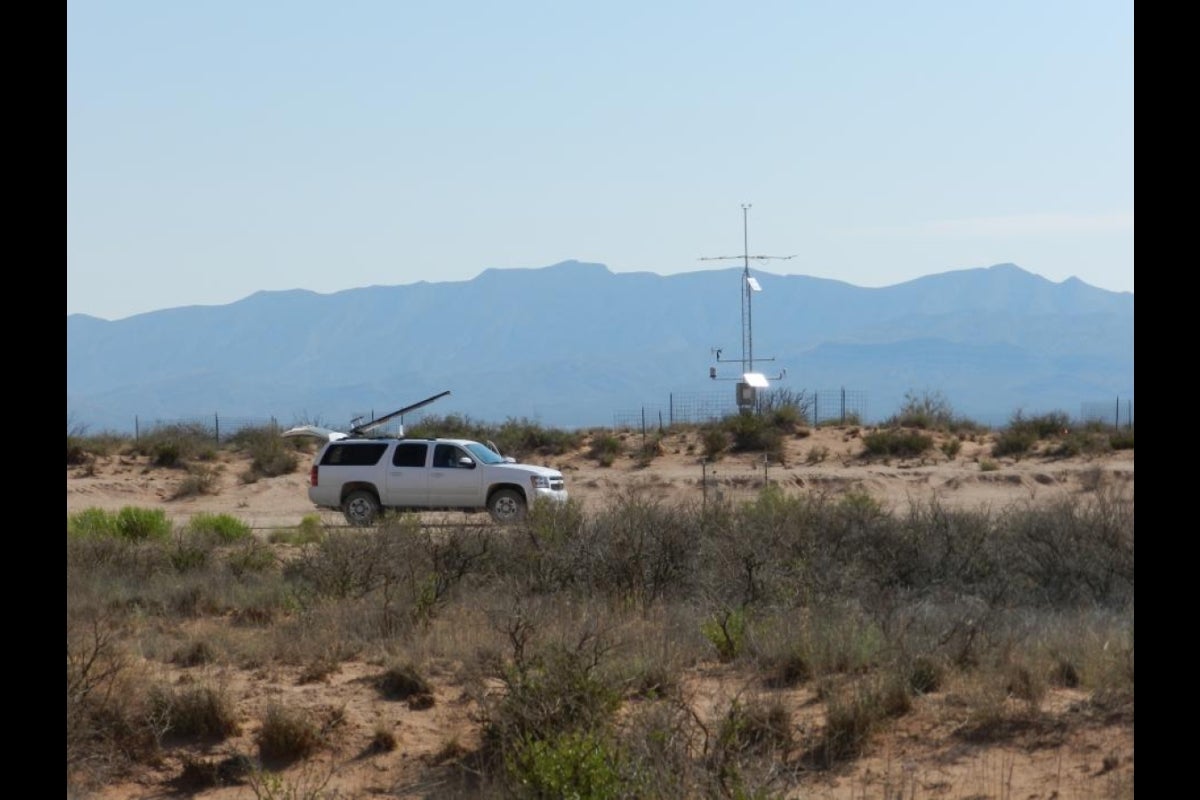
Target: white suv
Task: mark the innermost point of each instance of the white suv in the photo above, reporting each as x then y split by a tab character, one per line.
364	476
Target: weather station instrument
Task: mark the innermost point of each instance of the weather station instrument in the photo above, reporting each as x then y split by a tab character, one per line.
749	380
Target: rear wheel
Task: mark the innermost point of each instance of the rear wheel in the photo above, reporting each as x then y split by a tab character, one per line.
507	505
361	508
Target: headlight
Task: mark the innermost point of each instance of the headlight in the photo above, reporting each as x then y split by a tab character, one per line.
539	481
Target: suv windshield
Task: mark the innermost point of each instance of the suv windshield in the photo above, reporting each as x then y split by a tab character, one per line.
483	454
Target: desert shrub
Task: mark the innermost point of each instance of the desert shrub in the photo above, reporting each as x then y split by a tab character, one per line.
754	727
928	410
190	551
225	528
816	455
716	441
92	522
1013	442
925	674
754	433
202	712
726	631
638	551
252	557
172	445
575	764
651	449
897	442
557	691
1045	426
142	524
200	479
951	447
521	437
853	715
270	453
987	465
1077	443
402	682
287	734
383	740
1121	440
785	408
605	448
1023	432
309	531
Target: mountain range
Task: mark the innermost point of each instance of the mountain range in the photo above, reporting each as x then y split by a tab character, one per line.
574	345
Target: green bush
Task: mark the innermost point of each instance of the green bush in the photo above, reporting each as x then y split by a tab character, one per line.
716	441
141	524
897	442
726	631
1121	440
225	528
605	448
581	765
92	522
252	557
752	433
1014	442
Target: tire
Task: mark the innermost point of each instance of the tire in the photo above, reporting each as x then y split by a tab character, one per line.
361	508
507	505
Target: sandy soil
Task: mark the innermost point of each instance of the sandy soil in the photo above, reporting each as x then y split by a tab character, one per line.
1069	753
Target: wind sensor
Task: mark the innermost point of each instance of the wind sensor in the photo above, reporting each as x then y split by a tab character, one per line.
749	381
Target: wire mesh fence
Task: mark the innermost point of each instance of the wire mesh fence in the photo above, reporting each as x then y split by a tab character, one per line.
219	428
690	408
1117	412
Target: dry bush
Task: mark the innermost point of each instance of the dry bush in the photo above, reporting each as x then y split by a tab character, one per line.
287	734
195	712
201	479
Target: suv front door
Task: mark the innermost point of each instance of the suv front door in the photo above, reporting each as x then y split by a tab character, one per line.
453	484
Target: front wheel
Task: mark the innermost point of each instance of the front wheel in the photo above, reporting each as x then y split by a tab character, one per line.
361	508
507	505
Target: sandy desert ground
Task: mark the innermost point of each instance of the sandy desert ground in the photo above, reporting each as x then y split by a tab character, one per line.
1071	755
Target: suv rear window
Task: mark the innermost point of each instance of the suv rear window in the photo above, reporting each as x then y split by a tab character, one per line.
353	455
410	455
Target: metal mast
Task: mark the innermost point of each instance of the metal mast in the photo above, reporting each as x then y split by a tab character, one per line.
749	286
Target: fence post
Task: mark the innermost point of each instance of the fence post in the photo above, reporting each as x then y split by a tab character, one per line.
136	430
843	405
217	427
643	429
671	409
1117	423
816	409
1129	414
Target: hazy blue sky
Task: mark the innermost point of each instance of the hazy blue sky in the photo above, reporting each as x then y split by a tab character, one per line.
215	149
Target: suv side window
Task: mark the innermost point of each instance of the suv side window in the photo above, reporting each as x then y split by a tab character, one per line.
359	454
410	454
445	456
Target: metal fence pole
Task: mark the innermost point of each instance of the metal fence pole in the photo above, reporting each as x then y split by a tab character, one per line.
217	427
843	405
136	430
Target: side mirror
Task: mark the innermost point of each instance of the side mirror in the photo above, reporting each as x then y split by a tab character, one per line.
466	462
509	460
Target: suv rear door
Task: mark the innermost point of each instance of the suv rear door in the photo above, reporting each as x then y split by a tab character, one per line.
407	476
